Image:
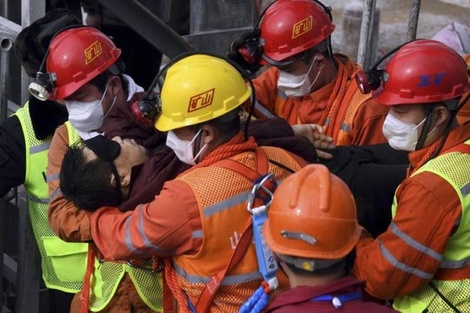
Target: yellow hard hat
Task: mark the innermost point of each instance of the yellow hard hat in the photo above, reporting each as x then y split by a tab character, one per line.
200	88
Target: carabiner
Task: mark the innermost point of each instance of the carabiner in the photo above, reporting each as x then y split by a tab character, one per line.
259	185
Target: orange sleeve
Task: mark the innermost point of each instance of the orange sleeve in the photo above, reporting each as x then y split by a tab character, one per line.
266	90
66	220
463	115
367	123
408	254
162	227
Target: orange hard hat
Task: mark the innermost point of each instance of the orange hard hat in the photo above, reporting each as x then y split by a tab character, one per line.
312	216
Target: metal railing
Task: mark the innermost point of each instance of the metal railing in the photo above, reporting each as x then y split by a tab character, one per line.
21	271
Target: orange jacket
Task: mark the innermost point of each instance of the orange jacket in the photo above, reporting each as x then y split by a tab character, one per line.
175	223
463	115
67	221
427	213
347	115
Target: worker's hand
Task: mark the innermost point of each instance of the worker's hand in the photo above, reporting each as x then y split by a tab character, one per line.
246	51
324	155
314	134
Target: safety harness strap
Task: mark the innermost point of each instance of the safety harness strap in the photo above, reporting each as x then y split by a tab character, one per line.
168	297
209	291
85	298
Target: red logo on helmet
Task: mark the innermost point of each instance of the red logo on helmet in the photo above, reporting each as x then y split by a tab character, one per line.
92	52
302	27
201	100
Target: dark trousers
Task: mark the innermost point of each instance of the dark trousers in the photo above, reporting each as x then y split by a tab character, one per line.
59	301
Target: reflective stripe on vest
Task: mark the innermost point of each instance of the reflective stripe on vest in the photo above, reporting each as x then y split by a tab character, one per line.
57	256
452	167
355	98
107	275
222	195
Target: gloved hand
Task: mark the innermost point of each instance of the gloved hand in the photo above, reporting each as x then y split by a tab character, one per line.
246	51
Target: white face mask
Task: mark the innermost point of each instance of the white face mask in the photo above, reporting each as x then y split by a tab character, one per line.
401	135
183	148
296	85
87	116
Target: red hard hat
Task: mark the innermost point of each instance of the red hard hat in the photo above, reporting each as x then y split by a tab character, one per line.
289	27
312	215
76	56
423	71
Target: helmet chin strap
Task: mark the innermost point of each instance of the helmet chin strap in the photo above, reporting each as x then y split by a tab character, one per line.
453	114
425	131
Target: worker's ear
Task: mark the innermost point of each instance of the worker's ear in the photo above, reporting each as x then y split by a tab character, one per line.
440	115
125	180
208	134
115	85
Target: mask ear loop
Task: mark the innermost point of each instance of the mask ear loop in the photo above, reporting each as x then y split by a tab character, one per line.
197	142
118	181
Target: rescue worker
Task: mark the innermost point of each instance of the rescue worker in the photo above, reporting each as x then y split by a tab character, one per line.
421	260
305	82
199	218
85	72
315	245
24	142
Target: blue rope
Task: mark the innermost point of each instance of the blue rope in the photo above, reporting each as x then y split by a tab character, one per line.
339	299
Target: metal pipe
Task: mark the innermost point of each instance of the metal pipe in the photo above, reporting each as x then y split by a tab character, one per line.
5	42
29	265
366	33
8	33
4	8
370	35
4	60
149	26
413	20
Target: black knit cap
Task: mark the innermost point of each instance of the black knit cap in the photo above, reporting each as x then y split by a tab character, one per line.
32	42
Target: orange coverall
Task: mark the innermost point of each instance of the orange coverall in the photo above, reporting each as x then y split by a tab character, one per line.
427	213
367	121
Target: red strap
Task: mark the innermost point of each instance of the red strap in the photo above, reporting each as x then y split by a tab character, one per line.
168	298
209	291
462	147
211	288
262	161
344	105
85	298
262	165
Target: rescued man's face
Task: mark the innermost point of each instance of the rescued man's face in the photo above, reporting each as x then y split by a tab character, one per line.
132	154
